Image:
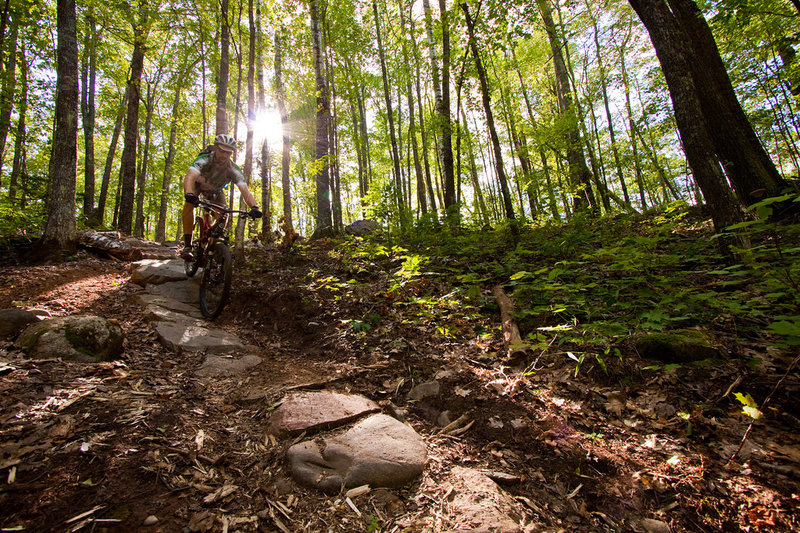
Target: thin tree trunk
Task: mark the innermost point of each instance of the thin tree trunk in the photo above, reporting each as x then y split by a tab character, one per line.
60	231
99	212
322	152
473	173
224	62
8	88
285	153
88	113
251	117
128	162
390	116
412	127
21	139
144	162
487	108
579	173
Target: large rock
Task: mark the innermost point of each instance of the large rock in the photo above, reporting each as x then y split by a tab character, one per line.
304	411
14	320
171	304
678	346
478	505
187	292
157	271
82	338
361	228
379	451
195	336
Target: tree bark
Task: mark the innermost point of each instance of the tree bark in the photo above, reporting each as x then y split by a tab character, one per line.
322	178
144	163
398	185
251	117
60	231
487	108
99	212
8	87
20	143
222	125
286	146
128	160
89	76
674	56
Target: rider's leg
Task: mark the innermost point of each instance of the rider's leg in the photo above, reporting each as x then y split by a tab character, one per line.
188	223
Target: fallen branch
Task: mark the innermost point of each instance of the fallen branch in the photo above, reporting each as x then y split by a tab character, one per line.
511	336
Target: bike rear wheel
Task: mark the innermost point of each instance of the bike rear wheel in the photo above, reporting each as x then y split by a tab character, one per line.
191	266
215	285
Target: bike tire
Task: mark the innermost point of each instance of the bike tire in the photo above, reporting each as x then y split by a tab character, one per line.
215	285
190	267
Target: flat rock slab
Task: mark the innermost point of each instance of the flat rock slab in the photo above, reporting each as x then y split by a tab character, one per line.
157	271
171	304
378	451
156	313
478	504
220	365
304	411
187	291
193	336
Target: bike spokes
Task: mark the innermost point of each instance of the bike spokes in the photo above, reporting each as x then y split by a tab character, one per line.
215	286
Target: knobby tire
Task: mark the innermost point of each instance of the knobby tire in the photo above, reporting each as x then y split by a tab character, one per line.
215	285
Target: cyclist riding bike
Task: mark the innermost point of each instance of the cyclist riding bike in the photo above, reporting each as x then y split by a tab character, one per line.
208	176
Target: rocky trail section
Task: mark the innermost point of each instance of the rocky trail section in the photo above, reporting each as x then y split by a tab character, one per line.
176	439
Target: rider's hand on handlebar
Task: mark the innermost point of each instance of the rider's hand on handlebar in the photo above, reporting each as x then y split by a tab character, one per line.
192	198
255	212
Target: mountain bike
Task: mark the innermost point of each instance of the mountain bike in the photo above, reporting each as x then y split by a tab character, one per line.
211	253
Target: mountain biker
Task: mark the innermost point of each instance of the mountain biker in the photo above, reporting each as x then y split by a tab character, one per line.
208	175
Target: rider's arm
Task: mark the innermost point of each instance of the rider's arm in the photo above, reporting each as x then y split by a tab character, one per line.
188	181
247	196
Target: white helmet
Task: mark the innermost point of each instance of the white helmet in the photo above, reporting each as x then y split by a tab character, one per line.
227	142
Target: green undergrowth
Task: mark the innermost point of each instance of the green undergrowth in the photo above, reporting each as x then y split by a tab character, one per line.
588	286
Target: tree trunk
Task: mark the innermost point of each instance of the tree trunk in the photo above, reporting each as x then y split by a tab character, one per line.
21	140
674	56
398	185
251	117
487	108
423	133
144	163
473	173
748	165
128	162
322	179
89	76
579	173
99	212
285	153
8	88
60	231
224	62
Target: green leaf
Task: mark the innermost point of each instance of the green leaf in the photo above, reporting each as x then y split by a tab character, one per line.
519	275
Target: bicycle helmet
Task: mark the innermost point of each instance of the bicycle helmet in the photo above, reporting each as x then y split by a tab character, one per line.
225	141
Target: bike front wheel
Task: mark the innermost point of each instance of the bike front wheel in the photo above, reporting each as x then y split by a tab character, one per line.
215	285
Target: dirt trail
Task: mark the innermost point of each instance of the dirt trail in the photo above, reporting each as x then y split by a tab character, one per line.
112	445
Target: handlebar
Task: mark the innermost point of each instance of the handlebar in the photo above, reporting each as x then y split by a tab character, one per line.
220	209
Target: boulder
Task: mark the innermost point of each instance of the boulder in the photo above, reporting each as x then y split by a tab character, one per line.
679	346
305	411
81	338
157	271
379	452
360	228
14	320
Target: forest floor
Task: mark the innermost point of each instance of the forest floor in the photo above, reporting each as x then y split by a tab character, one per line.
628	447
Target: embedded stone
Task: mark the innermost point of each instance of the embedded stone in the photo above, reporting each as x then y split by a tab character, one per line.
378	451
227	365
424	390
81	338
157	271
192	335
304	411
187	291
171	304
478	504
